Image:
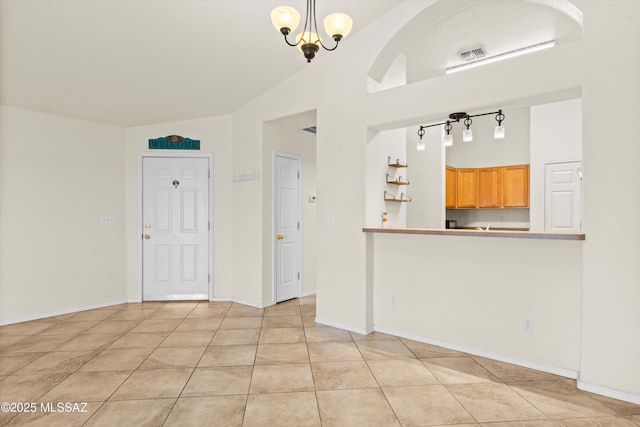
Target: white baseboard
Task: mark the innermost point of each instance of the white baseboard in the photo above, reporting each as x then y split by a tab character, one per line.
62	312
609	392
568	373
361	331
251	303
308	294
239	301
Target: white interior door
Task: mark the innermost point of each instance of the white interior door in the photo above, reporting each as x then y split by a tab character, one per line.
175	228
287	227
563	188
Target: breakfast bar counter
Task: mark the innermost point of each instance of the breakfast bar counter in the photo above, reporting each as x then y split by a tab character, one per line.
477	233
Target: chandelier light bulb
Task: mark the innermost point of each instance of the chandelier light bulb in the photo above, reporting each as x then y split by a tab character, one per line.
421	146
498	132
447	140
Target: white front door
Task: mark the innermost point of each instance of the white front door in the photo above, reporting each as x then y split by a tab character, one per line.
287	226
175	228
563	188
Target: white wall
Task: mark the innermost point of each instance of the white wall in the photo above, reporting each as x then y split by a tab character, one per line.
556	136
473	292
303	144
214	134
382	145
611	271
485	150
57	177
427	179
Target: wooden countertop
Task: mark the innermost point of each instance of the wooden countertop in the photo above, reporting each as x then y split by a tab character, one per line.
477	233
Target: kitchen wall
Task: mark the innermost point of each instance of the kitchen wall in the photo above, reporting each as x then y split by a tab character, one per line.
428	179
556	136
485	150
382	145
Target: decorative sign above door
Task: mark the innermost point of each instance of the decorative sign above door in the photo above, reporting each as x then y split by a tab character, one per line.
174	142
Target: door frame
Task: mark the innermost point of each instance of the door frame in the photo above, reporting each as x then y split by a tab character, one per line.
274	260
140	221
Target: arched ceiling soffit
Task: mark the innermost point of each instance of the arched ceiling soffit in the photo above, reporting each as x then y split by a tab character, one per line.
432	40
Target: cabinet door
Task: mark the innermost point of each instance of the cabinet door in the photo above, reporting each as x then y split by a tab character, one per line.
489	188
516	186
451	188
467	188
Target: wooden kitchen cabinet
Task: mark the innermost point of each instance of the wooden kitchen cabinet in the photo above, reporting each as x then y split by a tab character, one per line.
467	188
516	186
451	189
490	188
487	188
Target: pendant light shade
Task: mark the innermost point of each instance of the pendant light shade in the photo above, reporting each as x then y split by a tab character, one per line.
447	140
285	17
338	25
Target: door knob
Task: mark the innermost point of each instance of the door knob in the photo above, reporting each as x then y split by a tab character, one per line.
147	225
280	237
147	236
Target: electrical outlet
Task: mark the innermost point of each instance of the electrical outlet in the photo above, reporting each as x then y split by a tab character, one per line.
394	301
527	324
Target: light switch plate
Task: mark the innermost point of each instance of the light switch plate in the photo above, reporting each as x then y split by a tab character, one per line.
109	219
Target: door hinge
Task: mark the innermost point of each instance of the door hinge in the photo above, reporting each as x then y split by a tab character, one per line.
298	174
209	226
298	225
298	275
209	278
208	173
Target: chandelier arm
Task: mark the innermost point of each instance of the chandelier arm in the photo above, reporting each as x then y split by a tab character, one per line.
329	49
315	24
289	43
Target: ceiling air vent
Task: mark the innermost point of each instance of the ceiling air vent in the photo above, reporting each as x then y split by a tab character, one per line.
472	54
310	129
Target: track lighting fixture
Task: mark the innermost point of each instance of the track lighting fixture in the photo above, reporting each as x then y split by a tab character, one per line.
467	134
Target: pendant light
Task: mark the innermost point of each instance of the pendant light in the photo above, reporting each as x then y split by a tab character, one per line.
286	19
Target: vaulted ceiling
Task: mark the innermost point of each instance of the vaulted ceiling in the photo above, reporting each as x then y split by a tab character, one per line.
137	62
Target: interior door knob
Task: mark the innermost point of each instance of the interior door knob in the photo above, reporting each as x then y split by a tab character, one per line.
147	236
280	237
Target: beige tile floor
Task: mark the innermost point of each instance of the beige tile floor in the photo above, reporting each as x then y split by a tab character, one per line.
224	364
